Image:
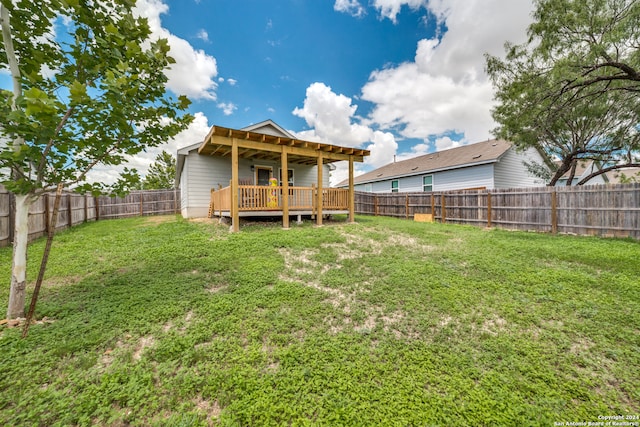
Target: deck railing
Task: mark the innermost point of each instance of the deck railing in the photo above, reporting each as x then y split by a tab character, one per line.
263	198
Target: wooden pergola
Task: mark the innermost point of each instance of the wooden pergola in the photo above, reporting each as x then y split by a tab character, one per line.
239	144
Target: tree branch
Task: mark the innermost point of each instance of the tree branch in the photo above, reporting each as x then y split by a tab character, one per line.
45	152
605	170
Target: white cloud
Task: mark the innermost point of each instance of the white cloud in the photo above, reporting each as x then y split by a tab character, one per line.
382	148
391	8
331	117
333	121
352	7
342	172
227	108
445	88
193	134
203	35
194	72
232	82
445	143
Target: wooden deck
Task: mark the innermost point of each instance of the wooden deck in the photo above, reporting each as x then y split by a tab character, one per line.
256	200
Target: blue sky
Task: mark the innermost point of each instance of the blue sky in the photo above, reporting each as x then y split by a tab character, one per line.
398	77
274	50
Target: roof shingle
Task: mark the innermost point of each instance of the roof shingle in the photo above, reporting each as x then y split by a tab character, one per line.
453	158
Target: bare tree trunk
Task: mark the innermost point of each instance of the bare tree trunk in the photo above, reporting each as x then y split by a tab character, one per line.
52	222
19	263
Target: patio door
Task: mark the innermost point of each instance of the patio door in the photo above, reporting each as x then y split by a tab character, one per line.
262	175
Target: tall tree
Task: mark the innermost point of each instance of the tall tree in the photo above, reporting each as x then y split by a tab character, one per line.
162	173
91	94
572	90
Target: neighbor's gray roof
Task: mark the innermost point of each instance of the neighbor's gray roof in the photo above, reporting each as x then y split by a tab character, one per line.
453	158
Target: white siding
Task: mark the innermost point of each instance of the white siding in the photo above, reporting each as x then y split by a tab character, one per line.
199	176
456	179
510	171
382	187
184	191
305	176
202	173
459	179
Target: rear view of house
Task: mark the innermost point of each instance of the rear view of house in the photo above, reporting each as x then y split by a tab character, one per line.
484	165
262	170
197	174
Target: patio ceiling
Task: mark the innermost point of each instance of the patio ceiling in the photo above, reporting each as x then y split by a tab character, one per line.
259	146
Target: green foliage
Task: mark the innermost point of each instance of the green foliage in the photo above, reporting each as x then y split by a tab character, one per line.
571	90
162	173
160	321
92	94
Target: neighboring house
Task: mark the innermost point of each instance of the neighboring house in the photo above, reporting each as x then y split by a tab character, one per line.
484	165
586	168
583	169
197	174
627	175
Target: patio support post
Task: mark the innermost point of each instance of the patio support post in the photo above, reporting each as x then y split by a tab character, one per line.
320	189
284	172
352	193
235	217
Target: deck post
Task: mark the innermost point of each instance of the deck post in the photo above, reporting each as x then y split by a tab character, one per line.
352	193
235	217
284	175
320	189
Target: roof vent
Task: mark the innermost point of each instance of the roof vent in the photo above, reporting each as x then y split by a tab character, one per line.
378	175
477	157
494	144
414	168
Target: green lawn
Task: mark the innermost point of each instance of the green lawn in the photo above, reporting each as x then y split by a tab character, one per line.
162	321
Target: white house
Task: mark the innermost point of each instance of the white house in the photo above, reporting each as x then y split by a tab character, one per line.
197	174
483	165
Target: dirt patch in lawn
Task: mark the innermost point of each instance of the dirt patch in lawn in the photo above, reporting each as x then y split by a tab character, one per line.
301	268
211	408
160	219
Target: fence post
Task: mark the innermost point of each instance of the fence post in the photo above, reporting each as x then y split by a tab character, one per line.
554	212
70	217
433	207
175	200
141	203
375	205
406	207
46	215
96	207
488	209
86	208
444	209
12	216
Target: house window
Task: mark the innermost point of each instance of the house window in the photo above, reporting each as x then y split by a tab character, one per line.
427	183
394	186
290	175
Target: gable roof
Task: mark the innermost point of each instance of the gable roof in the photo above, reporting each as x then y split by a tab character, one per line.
269	127
453	158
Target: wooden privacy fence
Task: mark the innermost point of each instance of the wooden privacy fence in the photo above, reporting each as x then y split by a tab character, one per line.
605	210
77	208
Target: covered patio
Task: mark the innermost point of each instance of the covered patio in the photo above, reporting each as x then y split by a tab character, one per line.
245	199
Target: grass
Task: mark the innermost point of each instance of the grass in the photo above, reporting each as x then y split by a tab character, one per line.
163	321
